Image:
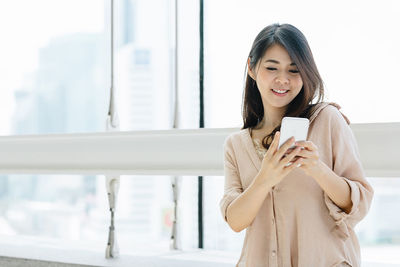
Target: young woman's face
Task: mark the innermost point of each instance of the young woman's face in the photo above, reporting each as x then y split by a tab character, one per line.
276	71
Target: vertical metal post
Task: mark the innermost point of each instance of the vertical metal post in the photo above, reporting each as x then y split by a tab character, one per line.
175	180
201	87
112	182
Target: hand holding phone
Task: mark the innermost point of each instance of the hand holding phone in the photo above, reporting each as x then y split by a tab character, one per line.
293	126
274	173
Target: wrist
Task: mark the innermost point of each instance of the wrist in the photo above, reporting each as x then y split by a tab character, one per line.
261	181
320	170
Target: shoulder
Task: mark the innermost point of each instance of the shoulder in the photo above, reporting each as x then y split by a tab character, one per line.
234	137
329	112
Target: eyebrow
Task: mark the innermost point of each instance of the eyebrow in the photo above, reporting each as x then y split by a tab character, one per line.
277	62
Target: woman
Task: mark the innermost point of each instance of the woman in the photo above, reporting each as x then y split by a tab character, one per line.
303	214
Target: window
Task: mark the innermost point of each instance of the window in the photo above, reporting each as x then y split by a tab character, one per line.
56	79
356	55
54	74
356	63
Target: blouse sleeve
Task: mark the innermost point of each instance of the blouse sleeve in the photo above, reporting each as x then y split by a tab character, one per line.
347	164
233	186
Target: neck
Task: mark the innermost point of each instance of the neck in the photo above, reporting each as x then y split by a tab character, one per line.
270	120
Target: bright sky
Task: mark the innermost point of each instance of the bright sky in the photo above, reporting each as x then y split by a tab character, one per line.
27	25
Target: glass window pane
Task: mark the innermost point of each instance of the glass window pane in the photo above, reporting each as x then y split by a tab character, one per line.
217	233
75	208
379	232
70	207
144	64
53	62
356	55
58	81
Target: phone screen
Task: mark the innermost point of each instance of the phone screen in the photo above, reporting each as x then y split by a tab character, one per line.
293	126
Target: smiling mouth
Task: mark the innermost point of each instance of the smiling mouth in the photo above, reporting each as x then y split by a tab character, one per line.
280	91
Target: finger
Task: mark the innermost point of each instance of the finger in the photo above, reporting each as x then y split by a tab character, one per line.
302	144
273	146
284	148
275	142
294	165
289	157
306	154
295	158
289	151
313	146
307	145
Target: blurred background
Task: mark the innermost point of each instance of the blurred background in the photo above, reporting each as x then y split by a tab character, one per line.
55	78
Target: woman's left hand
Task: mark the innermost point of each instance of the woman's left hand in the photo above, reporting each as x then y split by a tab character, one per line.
310	163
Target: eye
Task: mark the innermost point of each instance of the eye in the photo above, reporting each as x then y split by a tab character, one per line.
270	68
294	71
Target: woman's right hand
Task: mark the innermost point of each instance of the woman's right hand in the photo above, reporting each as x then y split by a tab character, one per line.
242	211
273	168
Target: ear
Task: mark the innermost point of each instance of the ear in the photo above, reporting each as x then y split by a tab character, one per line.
249	71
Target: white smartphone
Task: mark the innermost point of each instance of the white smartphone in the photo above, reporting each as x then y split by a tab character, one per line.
293	126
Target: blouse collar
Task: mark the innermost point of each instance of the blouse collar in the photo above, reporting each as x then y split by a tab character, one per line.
248	141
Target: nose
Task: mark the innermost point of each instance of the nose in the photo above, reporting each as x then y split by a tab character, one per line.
282	79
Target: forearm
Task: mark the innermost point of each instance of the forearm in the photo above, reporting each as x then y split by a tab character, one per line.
242	211
335	187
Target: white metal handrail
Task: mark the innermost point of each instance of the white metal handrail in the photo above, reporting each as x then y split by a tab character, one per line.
166	152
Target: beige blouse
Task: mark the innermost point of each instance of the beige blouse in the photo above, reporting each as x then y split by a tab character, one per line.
298	224
259	148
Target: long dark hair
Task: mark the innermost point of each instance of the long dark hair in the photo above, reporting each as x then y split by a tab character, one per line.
299	51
